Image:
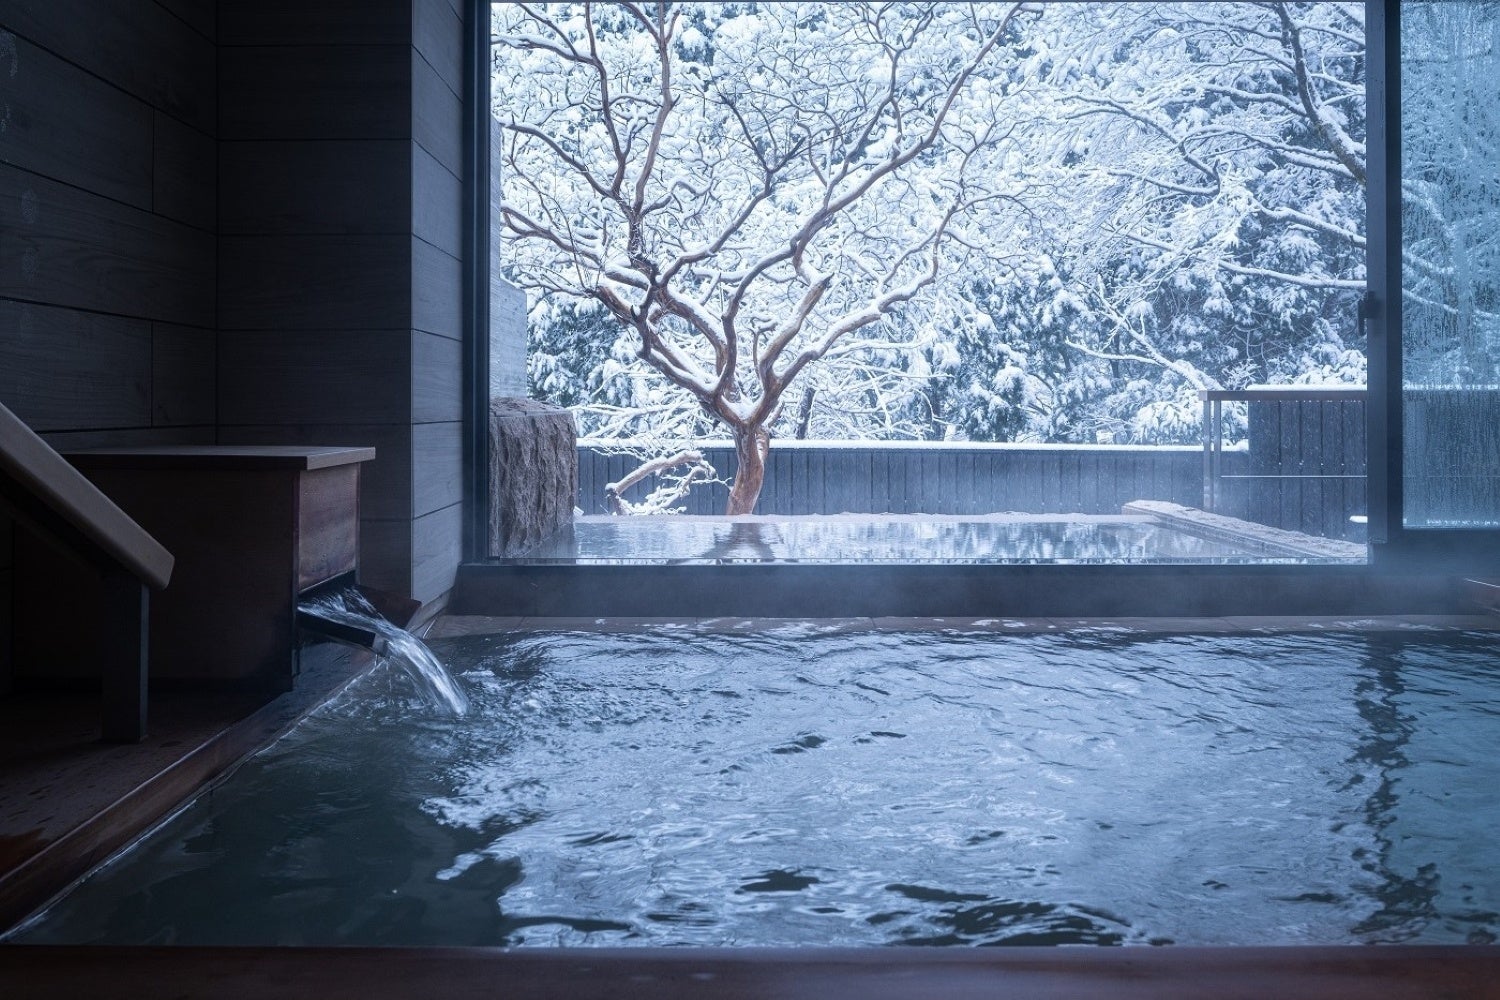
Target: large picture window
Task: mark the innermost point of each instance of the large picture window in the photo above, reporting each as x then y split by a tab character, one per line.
1163	306
948	282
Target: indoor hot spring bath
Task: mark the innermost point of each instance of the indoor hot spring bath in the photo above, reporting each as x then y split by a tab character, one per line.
763	783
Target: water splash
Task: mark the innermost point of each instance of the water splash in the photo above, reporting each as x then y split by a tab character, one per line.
397	646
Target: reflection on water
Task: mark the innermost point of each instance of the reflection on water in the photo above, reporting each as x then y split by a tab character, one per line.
897	539
806	785
1430	803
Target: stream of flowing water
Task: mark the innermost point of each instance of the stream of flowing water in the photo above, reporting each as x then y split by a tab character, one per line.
400	647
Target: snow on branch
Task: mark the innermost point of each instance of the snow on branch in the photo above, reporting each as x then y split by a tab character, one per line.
674	488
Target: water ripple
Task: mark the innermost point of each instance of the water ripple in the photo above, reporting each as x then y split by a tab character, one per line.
813	785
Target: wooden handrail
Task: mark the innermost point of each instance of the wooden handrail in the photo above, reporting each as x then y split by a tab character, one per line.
40	471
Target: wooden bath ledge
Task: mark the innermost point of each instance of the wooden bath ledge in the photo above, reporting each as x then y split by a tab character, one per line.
55	500
253	526
220	456
1371	972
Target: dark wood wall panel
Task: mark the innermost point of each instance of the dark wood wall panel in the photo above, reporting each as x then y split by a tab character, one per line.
201	15
437	203
340	230
437	466
240	220
315	248
438	225
61	369
437	118
437	368
320	376
354	186
129	437
315	234
437	541
385	554
314	92
107	256
62	118
183	177
64	246
437	282
438	37
7	589
183	389
324	22
313	282
142	48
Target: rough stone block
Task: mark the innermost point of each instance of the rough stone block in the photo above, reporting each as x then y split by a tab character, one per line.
533	474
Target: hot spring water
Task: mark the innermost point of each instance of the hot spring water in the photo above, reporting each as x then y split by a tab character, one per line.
764	784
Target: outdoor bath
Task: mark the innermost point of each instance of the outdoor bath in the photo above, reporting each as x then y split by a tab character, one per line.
774	783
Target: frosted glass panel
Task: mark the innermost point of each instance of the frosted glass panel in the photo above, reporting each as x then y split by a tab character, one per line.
1450	164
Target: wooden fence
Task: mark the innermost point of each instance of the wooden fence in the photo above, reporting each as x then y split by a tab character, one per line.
924	477
1307	458
1305	465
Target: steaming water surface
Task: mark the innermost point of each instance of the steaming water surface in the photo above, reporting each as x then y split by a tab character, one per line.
802	785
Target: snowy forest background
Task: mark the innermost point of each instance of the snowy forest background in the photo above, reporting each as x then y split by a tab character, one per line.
1041	222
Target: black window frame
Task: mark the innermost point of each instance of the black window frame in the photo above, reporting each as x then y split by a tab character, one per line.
477	99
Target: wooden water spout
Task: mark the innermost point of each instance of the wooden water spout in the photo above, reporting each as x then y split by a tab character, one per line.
49	496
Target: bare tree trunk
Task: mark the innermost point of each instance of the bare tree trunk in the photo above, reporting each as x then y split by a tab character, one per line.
751	445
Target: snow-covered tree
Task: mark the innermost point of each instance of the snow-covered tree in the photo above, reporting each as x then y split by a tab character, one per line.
748	188
1066	217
